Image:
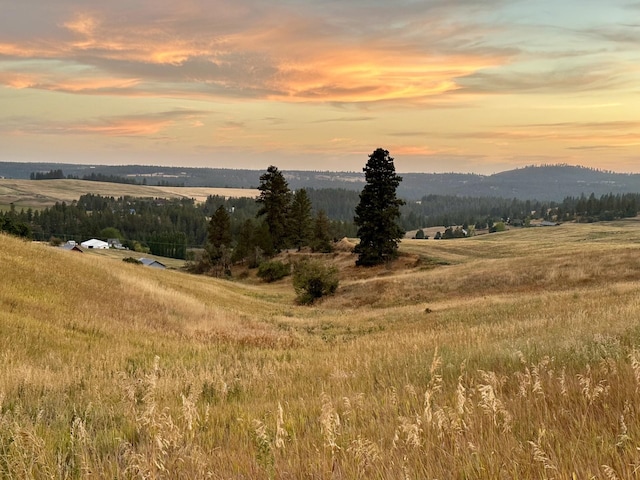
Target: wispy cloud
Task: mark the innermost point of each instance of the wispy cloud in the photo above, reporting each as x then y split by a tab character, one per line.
344	119
118	126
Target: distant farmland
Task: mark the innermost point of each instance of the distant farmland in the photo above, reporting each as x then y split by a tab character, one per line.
44	193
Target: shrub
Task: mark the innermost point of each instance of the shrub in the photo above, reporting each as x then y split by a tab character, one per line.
140	248
313	279
55	241
498	227
132	260
273	270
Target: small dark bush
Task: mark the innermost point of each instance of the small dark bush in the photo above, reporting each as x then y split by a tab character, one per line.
273	270
132	260
313	279
55	241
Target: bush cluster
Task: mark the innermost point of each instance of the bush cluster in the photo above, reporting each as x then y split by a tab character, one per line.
313	279
132	260
273	270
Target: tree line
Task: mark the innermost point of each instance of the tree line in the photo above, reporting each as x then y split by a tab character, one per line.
55	174
168	227
58	174
446	210
282	218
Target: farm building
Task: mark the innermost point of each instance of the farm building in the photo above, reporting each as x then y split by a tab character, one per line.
73	247
95	244
149	262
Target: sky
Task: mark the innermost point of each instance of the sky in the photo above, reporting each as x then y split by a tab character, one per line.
476	86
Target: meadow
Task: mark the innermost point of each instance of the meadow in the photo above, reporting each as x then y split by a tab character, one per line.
507	356
39	194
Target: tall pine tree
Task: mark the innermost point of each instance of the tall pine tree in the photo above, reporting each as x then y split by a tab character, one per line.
378	211
275	199
218	234
300	226
321	234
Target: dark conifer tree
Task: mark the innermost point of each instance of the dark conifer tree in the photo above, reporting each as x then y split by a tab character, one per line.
321	234
219	233
274	200
245	246
300	226
378	211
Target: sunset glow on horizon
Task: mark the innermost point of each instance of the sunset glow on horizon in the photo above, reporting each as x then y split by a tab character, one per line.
466	86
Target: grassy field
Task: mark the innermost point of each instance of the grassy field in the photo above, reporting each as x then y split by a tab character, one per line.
39	194
506	356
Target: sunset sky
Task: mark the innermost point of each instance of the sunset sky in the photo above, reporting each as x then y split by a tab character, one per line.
445	85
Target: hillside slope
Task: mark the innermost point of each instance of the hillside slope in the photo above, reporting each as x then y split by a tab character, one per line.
501	356
44	193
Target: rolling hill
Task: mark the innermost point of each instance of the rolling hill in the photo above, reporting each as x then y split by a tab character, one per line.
44	193
504	356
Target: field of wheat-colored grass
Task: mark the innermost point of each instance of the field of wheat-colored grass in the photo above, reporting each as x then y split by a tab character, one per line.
38	194
514	355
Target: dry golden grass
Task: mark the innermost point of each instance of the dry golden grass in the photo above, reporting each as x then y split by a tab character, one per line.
117	254
45	193
505	356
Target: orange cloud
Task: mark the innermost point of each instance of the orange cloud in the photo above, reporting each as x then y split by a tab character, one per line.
141	126
277	60
407	150
124	128
82	24
62	82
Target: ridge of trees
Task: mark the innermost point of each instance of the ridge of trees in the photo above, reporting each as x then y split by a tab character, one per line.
101	177
548	182
50	175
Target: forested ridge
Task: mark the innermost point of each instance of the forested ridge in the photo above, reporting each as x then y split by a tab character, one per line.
543	182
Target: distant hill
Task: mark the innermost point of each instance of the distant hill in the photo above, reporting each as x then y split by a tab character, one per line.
545	183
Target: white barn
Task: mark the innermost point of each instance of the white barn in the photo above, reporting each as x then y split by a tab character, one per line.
95	244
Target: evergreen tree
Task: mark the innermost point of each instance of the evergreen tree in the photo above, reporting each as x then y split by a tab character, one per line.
275	199
300	226
219	234
245	246
378	210
262	242
321	234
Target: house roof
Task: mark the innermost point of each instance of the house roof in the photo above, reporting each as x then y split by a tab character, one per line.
150	262
69	246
